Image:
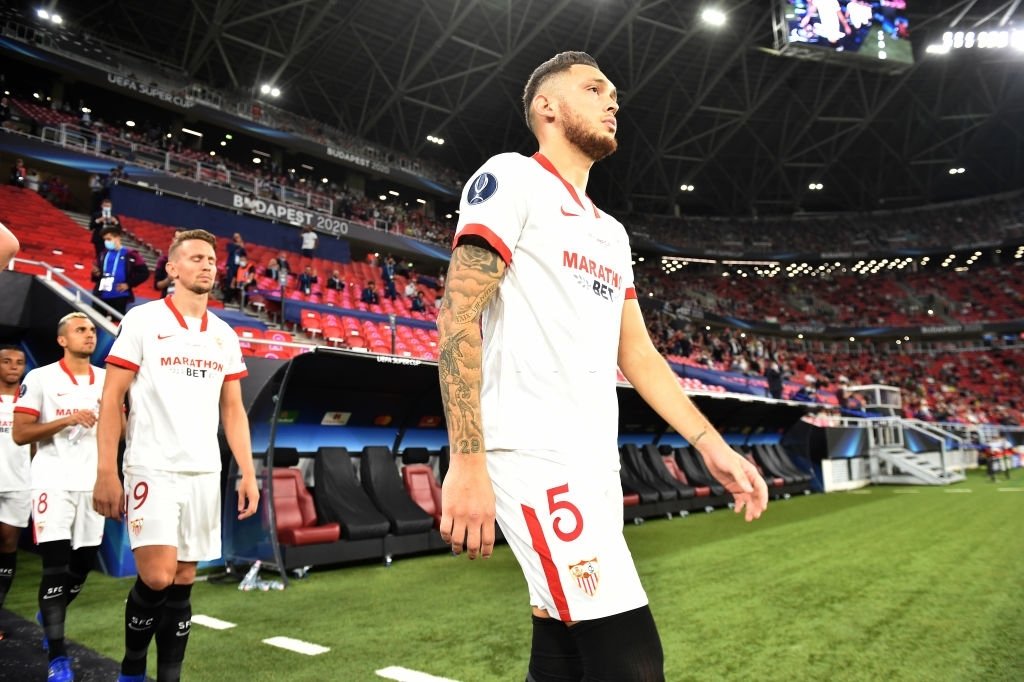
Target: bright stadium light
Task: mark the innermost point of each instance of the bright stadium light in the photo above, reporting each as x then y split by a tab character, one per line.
264	89
256	159
42	14
324	180
57	19
383	197
713	16
130	124
275	92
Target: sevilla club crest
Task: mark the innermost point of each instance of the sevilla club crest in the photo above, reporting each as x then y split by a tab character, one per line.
136	526
587	574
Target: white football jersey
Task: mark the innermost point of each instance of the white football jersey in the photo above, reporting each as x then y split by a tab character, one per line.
551	333
180	366
50	393
15	460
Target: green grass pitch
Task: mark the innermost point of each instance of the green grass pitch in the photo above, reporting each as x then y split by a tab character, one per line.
876	584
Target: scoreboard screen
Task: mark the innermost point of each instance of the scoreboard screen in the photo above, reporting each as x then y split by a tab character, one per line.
857	31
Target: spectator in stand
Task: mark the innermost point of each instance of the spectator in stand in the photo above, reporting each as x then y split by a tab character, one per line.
162	281
274	271
32	180
369	295
8	246
118	271
243	282
774	376
387	272
96	192
282	260
309	241
18	173
104	219
236	251
418	304
410	288
335	282
307	279
5	110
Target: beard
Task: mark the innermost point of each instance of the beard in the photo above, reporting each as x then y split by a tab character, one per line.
197	288
593	145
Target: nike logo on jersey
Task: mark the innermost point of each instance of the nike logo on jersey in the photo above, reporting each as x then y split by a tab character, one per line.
61	395
566	213
161	337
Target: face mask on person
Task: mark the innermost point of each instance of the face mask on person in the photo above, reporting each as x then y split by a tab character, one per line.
109	245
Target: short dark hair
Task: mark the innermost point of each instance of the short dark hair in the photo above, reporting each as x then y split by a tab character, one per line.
111	229
560	63
10	347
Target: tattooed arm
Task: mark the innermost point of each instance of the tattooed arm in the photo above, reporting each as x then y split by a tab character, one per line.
467	498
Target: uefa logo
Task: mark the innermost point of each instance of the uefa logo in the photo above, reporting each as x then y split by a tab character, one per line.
481	189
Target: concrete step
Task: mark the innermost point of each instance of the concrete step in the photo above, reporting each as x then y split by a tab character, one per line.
149	254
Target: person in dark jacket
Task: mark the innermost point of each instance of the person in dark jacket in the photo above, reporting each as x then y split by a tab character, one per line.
118	271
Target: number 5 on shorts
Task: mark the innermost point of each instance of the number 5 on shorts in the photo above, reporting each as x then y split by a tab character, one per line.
556	505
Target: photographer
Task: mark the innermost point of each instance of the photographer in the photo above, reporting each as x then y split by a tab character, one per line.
101	221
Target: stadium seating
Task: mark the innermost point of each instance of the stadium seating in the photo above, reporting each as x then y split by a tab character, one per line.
47	234
420	484
692	465
295	513
383	485
341	499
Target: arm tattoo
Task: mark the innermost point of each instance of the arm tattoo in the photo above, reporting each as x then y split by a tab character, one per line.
473	279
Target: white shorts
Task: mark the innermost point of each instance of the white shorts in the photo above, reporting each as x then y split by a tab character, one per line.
65	515
564	525
174	509
16	507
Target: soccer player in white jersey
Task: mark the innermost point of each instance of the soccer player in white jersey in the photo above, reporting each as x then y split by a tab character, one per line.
15	474
56	410
181	365
539	308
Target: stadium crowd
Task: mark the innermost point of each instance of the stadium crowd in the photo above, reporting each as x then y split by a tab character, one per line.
975	222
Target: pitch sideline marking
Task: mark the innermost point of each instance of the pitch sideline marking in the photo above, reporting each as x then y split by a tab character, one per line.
965	490
906	492
211	622
296	645
401	674
1011	490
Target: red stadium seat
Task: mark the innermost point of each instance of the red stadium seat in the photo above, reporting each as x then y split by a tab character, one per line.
295	513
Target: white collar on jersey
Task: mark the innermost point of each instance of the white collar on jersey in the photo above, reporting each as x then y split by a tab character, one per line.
550	167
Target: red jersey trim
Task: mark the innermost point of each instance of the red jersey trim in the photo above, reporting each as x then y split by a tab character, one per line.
630	293
550	168
21	409
181	318
540	545
484	232
122	363
74	380
236	376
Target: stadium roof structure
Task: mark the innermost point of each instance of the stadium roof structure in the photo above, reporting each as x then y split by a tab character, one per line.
716	108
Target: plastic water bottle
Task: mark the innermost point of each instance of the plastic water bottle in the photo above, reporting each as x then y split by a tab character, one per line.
75	433
251	580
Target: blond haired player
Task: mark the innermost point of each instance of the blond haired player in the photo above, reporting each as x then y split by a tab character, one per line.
546	276
56	410
181	365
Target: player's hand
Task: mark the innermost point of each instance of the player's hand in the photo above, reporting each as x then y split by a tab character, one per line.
108	496
741	479
248	496
86	418
467	509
